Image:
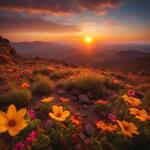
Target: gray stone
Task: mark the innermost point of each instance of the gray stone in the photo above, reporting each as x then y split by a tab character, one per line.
89	129
49	124
82	136
75	92
60	91
85	106
84	98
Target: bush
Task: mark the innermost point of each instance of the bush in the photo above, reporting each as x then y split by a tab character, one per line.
19	97
108	82
42	86
57	74
92	82
43	71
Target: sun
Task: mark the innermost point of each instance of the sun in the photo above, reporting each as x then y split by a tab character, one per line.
88	39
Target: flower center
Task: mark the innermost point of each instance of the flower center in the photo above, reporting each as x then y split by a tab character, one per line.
126	127
58	115
12	123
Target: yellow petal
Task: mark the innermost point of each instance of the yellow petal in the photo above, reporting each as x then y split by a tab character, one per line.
21	124
3	118
3	128
52	115
57	109
65	114
13	131
56	118
11	112
21	113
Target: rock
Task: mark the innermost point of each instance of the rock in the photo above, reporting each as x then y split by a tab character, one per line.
89	95
74	98
85	106
3	80
79	147
89	129
75	92
139	94
49	124
141	73
84	98
60	91
82	136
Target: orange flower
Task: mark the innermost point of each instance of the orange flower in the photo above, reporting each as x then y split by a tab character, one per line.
128	86
101	102
58	113
75	121
13	121
131	100
128	128
64	100
139	114
116	81
106	127
47	100
25	85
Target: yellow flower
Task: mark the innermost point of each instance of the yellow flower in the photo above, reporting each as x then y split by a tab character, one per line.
131	100
128	128
64	100
13	121
58	113
47	100
139	114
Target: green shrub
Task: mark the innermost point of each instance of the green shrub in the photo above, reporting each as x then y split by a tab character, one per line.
92	82
108	82
42	86
19	97
60	73
43	71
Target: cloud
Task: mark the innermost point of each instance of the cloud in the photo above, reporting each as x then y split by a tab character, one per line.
59	6
14	22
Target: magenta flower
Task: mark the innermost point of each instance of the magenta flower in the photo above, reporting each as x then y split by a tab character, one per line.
33	135
31	138
31	114
28	140
19	146
131	93
112	117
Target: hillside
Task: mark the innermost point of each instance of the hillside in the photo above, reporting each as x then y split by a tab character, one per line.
7	53
63	107
115	57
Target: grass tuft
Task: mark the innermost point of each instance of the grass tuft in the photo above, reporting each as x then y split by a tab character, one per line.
42	86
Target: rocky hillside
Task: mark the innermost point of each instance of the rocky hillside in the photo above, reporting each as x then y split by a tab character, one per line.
7	53
62	107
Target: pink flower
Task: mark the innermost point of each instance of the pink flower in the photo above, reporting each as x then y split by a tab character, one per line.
112	117
19	146
28	140
31	138
33	135
31	114
131	93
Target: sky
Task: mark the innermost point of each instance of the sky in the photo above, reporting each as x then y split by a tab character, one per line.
72	20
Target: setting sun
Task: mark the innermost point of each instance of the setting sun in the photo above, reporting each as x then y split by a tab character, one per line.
88	39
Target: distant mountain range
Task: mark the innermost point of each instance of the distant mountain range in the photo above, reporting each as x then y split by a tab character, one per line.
122	57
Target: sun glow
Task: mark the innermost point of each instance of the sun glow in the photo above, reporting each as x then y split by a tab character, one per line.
88	39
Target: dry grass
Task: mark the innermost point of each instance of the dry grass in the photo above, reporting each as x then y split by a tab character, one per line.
42	85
